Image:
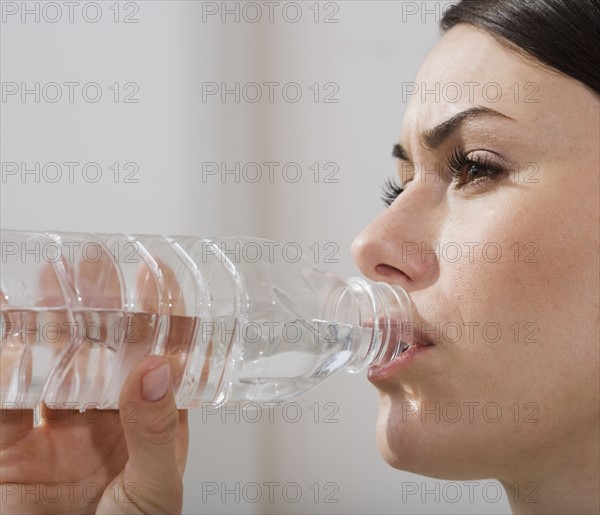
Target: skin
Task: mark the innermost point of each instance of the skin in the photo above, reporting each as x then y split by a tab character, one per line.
543	445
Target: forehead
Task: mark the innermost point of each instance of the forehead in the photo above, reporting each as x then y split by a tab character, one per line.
468	67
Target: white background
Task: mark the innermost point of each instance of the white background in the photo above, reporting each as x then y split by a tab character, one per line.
170	132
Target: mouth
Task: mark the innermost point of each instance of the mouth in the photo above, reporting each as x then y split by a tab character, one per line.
414	345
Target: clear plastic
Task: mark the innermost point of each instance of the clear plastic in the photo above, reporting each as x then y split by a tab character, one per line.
239	319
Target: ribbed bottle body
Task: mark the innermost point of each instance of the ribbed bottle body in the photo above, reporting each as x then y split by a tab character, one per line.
238	319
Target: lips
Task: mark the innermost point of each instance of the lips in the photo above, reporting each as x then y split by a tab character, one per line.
413	336
413	344
409	336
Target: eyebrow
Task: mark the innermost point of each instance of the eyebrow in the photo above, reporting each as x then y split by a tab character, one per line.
433	138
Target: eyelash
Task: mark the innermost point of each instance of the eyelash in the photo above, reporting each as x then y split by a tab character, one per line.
457	160
390	191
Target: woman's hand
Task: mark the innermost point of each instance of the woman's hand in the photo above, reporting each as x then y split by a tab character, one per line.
97	461
126	461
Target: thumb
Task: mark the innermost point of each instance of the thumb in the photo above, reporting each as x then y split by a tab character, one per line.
150	423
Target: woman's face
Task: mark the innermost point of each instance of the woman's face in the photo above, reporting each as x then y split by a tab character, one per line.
502	267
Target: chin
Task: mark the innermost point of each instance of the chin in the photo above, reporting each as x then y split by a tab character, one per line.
432	450
396	440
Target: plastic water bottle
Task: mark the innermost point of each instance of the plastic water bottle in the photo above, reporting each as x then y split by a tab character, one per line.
239	319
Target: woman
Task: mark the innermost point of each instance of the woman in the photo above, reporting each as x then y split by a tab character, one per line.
496	239
505	190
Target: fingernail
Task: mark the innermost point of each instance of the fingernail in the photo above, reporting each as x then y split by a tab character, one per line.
155	383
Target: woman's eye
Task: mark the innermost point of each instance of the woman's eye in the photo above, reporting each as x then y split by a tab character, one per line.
476	171
472	171
390	191
467	172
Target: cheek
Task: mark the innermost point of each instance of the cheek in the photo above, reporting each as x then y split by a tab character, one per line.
526	265
528	290
490	261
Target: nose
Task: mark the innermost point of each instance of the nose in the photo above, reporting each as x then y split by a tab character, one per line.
398	247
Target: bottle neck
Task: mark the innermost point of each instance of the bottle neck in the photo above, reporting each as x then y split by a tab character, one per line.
385	313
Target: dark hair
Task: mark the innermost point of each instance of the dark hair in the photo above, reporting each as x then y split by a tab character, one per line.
560	34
